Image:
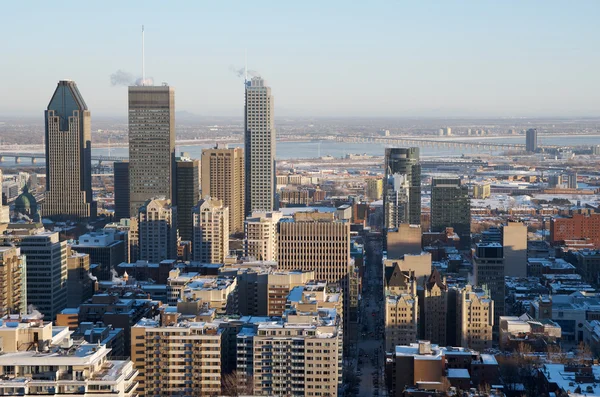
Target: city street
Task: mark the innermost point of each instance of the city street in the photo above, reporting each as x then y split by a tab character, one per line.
370	347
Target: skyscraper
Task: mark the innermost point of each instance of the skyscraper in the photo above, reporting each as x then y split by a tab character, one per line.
211	231
451	207
402	187
188	194
151	144
488	270
259	147
531	140
514	240
121	189
223	179
157	223
68	155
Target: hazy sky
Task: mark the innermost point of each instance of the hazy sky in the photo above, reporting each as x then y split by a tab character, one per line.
338	58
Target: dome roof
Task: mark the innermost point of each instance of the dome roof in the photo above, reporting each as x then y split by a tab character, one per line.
25	201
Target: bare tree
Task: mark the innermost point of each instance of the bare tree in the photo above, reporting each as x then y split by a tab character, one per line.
232	386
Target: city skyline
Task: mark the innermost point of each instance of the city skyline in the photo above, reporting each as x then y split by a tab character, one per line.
534	62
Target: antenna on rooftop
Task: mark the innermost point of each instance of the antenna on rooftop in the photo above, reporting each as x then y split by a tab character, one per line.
245	65
143	59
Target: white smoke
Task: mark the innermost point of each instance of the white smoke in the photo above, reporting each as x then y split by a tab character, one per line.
33	311
241	72
115	276
123	78
92	277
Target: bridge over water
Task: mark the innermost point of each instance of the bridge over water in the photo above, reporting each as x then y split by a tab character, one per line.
445	143
34	156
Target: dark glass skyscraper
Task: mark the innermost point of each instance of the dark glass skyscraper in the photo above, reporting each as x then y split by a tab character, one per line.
402	187
451	207
531	140
188	194
121	174
68	155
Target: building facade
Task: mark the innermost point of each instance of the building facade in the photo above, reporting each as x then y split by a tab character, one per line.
151	144
514	241
259	147
475	318
68	155
211	231
157	225
223	179
531	140
402	187
451	207
261	236
488	269
13	278
80	283
188	194
121	189
104	250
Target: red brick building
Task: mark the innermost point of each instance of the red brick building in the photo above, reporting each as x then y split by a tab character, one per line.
578	226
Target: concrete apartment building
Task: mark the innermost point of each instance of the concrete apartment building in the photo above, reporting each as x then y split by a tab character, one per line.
177	357
261	235
68	156
13	281
38	359
211	231
488	271
298	355
46	266
151	144
576	227
157	225
121	189
223	179
259	147
475	318
104	249
482	191
80	283
451	207
187	175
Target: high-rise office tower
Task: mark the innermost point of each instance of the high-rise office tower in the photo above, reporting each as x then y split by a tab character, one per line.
157	225
451	207
223	179
151	144
68	155
211	231
531	140
259	147
46	265
13	276
80	286
488	270
188	194
402	187
121	189
261	237
105	250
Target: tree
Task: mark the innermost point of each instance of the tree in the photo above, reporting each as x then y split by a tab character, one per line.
232	386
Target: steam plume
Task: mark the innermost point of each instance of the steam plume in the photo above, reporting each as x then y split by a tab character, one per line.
121	77
92	277
240	72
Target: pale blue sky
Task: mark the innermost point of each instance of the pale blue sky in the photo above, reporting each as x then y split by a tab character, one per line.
321	58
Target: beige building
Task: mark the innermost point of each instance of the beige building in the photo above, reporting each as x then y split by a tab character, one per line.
40	360
435	308
299	355
261	237
374	189
514	241
474	318
482	191
151	144
401	319
13	279
315	241
210	242
223	179
157	228
68	155
259	149
177	357
220	293
420	264
406	239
